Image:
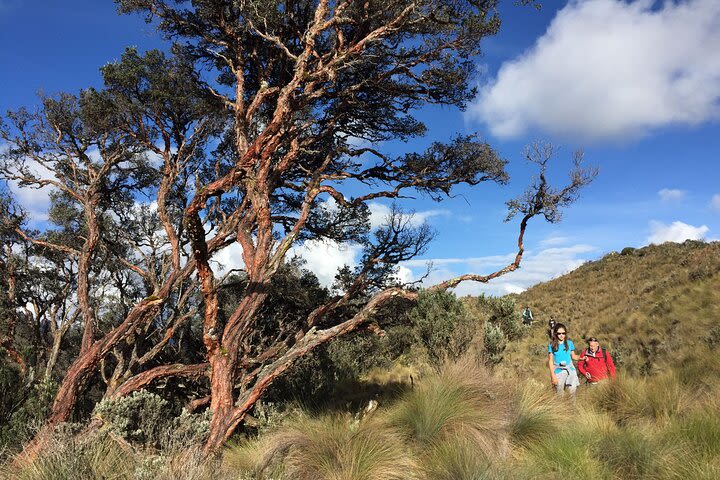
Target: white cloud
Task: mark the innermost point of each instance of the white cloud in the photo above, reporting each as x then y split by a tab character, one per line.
608	69
229	258
554	241
380	212
675	232
535	268
671	194
715	202
325	257
35	201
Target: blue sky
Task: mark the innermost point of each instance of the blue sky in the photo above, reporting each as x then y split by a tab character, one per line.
635	85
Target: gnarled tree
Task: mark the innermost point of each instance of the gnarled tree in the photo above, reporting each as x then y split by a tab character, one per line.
269	127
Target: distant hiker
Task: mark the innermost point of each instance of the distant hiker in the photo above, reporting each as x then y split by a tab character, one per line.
527	316
551	327
595	362
561	353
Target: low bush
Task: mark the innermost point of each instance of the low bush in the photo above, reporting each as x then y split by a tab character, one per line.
442	325
147	419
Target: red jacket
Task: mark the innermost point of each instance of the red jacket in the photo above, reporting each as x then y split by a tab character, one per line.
599	365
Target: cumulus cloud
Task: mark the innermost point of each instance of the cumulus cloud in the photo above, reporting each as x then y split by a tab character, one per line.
715	202
610	70
324	258
671	194
35	201
554	241
380	212
675	232
537	267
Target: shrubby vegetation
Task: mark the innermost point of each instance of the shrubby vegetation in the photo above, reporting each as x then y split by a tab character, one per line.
147	419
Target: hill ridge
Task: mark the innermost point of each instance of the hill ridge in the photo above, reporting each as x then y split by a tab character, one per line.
643	303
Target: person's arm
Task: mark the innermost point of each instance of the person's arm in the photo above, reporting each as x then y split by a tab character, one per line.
574	355
553	377
581	366
610	364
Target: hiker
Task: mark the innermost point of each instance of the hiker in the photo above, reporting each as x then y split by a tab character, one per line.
551	327
596	363
527	316
561	353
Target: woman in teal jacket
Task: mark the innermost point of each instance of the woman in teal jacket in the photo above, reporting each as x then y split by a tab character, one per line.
561	353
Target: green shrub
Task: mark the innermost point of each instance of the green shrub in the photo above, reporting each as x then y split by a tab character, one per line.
442	326
24	408
494	343
148	419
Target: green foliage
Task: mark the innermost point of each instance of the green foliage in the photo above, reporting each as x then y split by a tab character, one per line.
442	325
494	343
148	419
24	408
503	325
504	315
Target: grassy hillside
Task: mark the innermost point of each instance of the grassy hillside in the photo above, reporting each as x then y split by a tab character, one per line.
650	306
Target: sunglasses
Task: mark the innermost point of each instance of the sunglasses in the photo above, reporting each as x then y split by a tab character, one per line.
561	333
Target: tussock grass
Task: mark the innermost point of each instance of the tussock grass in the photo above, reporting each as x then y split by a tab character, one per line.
463	423
334	447
630	400
455	458
566	454
536	413
71	459
464	400
629	454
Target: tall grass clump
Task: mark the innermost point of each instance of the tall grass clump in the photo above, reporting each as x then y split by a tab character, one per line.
567	454
69	458
629	453
536	414
333	447
455	458
633	399
463	400
702	431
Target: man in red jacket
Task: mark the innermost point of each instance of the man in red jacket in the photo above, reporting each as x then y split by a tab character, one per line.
595	362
